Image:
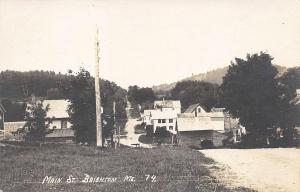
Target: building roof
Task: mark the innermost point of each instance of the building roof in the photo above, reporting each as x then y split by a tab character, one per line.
58	108
192	108
167	104
185	115
215	109
215	114
147	112
57	133
13	126
159	114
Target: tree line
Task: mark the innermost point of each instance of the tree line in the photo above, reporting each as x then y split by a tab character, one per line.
16	88
20	85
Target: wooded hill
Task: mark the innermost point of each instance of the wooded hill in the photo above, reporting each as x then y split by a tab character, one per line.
17	87
214	77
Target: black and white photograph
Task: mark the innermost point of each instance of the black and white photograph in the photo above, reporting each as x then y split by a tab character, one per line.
149	95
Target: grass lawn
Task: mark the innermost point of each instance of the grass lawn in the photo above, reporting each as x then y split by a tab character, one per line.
174	169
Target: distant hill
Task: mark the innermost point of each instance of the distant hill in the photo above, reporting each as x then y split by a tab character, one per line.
214	76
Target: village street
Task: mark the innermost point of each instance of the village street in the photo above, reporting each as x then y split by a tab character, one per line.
273	170
130	136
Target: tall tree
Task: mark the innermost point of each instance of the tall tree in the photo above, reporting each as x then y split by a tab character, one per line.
80	91
250	92
37	123
81	94
290	82
192	92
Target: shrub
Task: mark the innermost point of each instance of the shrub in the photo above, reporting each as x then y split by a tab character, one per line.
207	144
162	132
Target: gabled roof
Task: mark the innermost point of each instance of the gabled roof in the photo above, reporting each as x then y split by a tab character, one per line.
2	108
192	108
58	108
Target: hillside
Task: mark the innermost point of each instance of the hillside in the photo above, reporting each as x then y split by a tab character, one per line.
214	76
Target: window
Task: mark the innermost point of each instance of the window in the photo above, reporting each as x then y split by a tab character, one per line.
170	127
159	121
163	121
63	124
199	110
170	120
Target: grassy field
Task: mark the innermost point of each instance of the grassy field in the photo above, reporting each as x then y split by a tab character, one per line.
173	169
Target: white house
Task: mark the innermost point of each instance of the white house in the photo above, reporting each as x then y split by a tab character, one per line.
58	112
201	123
195	118
61	125
146	117
168	105
164	119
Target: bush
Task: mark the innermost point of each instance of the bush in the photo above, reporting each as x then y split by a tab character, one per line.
149	129
250	141
196	147
162	132
207	144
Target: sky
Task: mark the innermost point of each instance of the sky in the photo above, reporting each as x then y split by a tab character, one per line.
146	42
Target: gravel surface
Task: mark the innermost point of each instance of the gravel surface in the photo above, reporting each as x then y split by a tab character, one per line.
272	170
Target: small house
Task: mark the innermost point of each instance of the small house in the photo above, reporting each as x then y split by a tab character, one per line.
60	125
58	113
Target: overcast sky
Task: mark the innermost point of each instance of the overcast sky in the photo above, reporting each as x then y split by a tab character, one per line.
146	42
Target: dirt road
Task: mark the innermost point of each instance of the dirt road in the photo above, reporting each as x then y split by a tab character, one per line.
131	137
273	170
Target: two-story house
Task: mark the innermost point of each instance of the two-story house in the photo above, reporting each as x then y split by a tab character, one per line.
164	120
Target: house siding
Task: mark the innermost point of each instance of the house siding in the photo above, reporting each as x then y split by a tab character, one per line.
167	124
56	124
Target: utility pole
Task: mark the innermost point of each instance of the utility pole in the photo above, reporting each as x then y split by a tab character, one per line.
119	135
98	96
114	125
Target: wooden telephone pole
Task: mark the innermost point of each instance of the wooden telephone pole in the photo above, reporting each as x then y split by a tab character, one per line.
98	96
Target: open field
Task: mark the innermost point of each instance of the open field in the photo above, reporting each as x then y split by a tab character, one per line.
174	169
271	170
